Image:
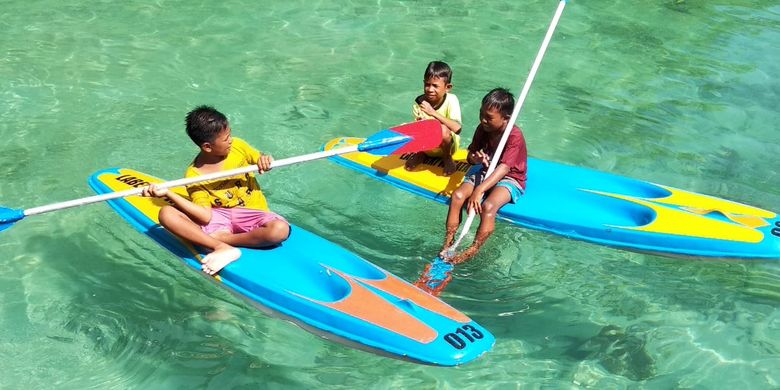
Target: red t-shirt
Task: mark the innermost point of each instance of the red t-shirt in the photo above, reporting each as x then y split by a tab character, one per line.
515	154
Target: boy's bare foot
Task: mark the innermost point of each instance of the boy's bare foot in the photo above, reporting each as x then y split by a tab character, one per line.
459	258
465	255
447	252
215	261
414	161
449	239
449	166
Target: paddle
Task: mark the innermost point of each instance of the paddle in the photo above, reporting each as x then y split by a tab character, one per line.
406	138
435	282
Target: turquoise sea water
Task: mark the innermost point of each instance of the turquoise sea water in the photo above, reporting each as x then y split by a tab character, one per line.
678	92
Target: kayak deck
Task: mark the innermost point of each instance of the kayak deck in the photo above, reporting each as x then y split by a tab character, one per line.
599	207
321	287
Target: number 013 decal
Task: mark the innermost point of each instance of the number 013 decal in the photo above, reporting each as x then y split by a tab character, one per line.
467	332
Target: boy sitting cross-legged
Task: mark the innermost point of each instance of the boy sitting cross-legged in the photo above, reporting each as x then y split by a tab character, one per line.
222	213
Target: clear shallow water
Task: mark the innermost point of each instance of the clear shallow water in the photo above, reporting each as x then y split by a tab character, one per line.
682	93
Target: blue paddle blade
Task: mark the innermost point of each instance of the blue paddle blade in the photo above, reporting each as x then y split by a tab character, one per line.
435	277
384	143
407	138
439	272
8	217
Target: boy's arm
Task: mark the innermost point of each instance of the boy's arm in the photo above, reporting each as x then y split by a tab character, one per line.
253	156
451	124
514	155
198	214
477	157
264	162
491	181
475	200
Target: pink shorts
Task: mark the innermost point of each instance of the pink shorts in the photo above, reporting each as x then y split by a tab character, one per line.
239	219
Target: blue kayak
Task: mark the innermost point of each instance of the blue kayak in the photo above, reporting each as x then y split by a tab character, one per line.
321	287
599	207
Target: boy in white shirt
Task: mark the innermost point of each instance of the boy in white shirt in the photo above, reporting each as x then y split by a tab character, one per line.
438	103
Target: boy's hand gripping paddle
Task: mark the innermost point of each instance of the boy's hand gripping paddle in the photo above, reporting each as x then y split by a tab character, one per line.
406	138
431	279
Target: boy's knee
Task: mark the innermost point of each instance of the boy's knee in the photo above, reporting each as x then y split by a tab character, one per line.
489	209
166	215
458	196
446	135
278	232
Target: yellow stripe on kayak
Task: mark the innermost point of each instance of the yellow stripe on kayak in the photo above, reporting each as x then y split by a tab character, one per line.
682	222
703	204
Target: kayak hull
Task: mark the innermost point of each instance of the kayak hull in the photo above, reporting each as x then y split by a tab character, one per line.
321	287
600	207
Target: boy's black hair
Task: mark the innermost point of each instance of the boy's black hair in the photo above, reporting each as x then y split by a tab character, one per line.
438	69
204	123
500	99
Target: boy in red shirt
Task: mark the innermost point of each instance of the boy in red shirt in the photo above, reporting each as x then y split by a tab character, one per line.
506	184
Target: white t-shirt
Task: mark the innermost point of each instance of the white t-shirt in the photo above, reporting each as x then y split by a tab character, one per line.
450	109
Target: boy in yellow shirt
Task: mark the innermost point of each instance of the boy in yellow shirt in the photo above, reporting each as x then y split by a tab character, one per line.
223	213
438	103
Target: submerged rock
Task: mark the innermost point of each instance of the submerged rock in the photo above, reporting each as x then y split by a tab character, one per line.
619	352
307	111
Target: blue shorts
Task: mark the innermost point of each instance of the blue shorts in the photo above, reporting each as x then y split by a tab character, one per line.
475	176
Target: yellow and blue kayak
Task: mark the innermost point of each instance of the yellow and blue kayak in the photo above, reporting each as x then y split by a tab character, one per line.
599	207
321	287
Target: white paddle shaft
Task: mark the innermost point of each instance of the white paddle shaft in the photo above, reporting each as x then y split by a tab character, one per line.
212	176
515	114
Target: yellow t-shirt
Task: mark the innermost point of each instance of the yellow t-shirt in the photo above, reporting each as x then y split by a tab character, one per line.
235	191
